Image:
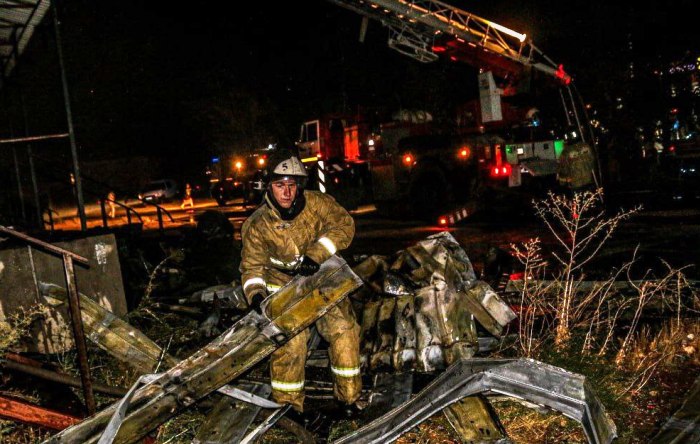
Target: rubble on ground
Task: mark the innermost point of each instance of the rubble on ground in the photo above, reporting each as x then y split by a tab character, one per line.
423	313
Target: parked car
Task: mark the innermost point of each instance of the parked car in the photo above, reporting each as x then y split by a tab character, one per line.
159	191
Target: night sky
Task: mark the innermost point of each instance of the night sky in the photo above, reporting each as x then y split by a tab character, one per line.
183	84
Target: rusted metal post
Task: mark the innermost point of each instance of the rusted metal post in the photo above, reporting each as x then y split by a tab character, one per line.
78	333
33	414
32	171
20	193
61	378
69	120
104	212
160	220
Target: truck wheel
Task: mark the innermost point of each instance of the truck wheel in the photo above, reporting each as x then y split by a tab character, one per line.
429	194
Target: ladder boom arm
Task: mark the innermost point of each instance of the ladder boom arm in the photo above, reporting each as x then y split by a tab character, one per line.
430	18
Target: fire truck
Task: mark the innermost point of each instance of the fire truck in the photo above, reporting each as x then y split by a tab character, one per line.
357	161
495	145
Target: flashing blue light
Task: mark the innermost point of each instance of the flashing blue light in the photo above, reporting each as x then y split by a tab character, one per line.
214	160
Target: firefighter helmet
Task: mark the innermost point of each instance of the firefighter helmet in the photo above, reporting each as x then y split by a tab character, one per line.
284	164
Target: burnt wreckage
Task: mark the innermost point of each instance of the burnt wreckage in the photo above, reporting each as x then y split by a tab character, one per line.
418	311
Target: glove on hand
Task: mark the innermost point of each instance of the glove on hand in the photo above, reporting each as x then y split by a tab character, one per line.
307	267
256	299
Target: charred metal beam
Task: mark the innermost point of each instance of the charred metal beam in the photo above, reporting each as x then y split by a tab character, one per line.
111	333
33	414
229	419
536	382
292	309
59	377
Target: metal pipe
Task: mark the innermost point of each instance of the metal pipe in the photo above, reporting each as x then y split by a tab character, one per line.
45	245
69	119
35	187
566	108
30	156
79	334
34	138
160	220
50	375
19	185
16	163
104	212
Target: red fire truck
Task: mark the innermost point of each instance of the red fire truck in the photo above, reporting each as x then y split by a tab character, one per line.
404	165
495	145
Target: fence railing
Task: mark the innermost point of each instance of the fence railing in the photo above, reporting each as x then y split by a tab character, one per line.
69	258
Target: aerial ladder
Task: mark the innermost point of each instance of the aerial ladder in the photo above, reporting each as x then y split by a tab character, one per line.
428	29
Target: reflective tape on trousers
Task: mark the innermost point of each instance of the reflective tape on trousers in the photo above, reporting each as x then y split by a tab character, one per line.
287	386
345	372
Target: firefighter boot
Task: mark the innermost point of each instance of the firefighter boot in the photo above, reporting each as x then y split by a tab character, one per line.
313	420
348	411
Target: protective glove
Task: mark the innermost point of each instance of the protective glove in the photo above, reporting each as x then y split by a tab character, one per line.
256	299
307	267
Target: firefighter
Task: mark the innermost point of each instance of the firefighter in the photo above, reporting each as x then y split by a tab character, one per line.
292	232
576	164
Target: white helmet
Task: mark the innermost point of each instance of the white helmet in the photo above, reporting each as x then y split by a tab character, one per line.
284	164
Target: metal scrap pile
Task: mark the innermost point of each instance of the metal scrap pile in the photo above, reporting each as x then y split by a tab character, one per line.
420	308
420	311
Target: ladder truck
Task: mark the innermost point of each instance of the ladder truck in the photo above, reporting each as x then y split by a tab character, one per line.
444	175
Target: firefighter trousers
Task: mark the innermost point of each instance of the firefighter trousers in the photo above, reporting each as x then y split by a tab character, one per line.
287	363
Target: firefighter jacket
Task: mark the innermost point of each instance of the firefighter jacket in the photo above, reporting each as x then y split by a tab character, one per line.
272	246
576	166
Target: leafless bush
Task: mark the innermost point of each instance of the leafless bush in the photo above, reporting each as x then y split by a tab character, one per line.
144	308
533	305
557	301
581	228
